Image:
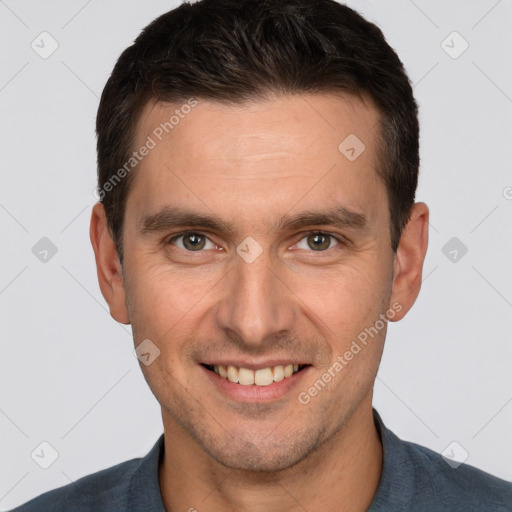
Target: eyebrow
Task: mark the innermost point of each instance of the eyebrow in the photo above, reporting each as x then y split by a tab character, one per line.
173	217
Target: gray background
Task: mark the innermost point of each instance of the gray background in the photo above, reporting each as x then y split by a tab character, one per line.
68	373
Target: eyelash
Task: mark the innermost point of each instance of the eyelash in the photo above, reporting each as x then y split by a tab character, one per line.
305	235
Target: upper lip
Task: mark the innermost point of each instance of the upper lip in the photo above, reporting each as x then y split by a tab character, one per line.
253	365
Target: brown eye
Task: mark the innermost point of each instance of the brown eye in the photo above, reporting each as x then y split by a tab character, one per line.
318	242
191	241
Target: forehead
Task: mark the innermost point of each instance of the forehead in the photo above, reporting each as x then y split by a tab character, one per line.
277	122
259	155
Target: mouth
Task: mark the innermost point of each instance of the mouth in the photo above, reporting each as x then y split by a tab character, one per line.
258	377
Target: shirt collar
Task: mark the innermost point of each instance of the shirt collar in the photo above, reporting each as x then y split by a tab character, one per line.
144	491
396	481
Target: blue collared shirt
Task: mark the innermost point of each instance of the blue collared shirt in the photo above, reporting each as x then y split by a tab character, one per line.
413	479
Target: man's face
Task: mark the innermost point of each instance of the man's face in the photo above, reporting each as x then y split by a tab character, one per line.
256	291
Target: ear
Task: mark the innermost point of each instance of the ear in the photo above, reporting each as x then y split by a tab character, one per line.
408	261
108	266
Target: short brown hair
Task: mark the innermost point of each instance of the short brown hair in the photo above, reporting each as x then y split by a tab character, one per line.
232	51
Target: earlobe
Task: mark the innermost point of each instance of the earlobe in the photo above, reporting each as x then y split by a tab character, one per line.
409	258
108	266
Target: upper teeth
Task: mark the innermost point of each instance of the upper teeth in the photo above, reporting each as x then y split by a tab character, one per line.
262	377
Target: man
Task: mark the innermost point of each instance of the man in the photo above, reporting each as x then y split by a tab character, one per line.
257	163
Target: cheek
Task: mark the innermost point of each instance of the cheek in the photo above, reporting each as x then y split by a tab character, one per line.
345	301
168	306
161	294
165	308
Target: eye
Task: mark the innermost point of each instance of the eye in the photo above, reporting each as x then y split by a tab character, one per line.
192	241
318	241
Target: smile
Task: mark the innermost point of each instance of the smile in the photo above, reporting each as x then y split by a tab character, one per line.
259	377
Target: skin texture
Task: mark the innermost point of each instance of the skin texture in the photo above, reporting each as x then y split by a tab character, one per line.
250	165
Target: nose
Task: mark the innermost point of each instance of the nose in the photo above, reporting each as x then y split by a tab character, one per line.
257	303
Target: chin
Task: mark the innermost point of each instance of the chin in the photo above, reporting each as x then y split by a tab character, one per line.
270	454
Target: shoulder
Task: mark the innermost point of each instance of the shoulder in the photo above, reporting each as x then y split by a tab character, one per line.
101	491
128	486
464	486
417	478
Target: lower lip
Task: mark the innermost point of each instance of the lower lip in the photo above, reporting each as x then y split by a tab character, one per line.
254	393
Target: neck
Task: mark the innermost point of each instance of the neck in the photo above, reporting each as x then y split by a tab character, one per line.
345	470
